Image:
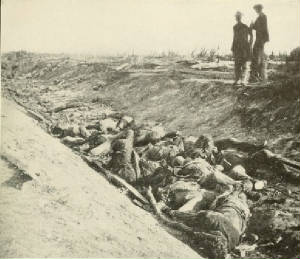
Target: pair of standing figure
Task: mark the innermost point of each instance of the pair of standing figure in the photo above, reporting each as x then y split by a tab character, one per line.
242	48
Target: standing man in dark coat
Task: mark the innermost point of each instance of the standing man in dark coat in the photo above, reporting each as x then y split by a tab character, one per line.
241	48
258	66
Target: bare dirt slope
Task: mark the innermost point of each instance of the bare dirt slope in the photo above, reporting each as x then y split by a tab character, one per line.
168	91
53	205
195	99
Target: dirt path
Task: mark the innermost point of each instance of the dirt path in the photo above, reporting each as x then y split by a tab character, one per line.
53	205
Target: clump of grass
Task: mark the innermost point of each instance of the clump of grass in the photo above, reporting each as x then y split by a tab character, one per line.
205	54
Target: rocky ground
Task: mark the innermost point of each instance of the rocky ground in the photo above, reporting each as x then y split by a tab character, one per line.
180	95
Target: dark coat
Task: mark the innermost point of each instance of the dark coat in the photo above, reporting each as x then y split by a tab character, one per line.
261	27
241	45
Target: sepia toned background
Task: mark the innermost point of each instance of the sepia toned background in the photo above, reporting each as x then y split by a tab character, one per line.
101	99
140	26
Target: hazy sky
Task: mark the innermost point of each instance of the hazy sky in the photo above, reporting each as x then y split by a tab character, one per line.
142	26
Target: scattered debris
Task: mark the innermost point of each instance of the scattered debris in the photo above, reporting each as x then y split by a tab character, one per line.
204	187
36	116
200	186
66	106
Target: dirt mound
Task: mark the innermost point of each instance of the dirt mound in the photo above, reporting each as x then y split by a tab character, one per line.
54	205
195	100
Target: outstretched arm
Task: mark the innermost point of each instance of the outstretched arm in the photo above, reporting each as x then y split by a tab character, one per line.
171	223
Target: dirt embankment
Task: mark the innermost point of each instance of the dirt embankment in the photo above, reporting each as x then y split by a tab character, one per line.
53	205
195	99
192	100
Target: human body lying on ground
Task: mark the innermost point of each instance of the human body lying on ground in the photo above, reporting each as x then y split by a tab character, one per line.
207	203
217	229
202	186
189	179
196	194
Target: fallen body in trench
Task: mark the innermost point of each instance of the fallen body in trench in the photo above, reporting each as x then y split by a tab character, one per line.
196	185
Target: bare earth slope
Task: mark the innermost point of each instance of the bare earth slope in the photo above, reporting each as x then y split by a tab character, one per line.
78	207
193	99
53	205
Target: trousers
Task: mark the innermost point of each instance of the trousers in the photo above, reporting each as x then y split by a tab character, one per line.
241	69
258	64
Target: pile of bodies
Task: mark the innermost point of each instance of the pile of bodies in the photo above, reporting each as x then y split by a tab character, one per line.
197	184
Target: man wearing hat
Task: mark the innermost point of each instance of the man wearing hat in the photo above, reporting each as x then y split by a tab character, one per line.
258	66
241	48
